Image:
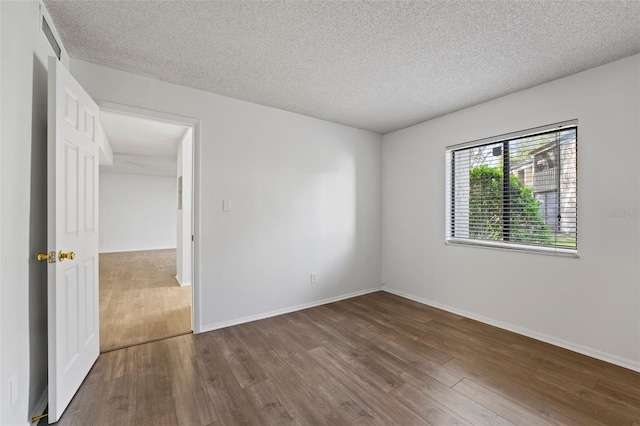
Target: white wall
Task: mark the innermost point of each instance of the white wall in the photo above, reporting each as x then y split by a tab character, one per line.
305	198
137	212
23	326
590	304
184	230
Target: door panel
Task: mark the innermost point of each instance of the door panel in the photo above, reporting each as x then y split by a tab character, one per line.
74	343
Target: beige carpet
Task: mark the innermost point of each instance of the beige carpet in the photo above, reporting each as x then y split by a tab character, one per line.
140	299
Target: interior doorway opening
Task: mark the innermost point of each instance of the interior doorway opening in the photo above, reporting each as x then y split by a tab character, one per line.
146	229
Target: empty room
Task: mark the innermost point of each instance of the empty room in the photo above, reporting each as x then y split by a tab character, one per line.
387	212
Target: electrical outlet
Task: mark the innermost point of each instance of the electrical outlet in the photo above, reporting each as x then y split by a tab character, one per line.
314	279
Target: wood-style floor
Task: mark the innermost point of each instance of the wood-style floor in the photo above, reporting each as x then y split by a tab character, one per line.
375	359
140	299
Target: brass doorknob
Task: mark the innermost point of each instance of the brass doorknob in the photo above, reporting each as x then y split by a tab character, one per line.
69	255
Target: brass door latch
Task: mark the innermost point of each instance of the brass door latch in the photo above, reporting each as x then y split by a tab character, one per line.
50	257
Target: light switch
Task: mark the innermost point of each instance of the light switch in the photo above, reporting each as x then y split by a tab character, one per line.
226	206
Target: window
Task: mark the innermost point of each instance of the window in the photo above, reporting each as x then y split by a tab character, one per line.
517	191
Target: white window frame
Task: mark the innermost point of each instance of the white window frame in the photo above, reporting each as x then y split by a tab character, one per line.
501	245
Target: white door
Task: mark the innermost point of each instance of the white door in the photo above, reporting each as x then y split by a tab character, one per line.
72	202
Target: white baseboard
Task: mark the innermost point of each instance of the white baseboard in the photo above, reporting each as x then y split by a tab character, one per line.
41	405
584	350
182	284
237	321
128	250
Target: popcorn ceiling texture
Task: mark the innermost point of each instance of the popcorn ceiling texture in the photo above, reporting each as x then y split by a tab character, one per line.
380	65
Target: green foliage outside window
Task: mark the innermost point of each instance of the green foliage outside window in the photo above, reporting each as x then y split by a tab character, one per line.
486	205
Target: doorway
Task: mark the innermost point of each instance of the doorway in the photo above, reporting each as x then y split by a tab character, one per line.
145	225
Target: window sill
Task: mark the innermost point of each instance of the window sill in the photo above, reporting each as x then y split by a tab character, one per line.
512	247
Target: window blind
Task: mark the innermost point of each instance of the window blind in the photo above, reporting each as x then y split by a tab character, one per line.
518	192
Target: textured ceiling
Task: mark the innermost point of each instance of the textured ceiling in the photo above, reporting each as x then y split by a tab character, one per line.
375	65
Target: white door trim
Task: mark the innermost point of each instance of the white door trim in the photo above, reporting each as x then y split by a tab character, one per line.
195	211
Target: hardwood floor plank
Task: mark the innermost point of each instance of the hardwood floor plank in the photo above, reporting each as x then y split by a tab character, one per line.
306	406
350	409
561	363
376	359
486	350
415	358
309	326
268	405
380	302
460	404
401	315
586	402
343	402
140	299
227	397
380	325
611	405
293	334
619	391
398	370
529	397
342	321
280	341
370	370
118	363
190	397
500	405
168	419
561	381
121	410
244	367
153	388
403	325
384	405
438	314
426	407
629	383
346	405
